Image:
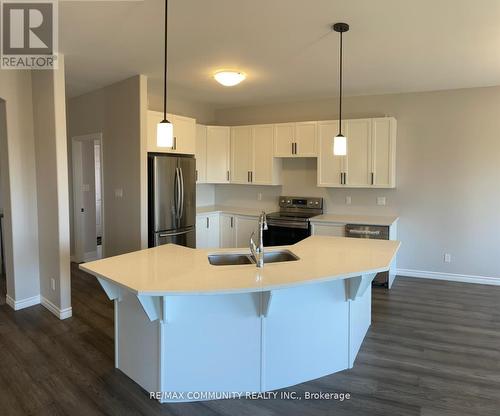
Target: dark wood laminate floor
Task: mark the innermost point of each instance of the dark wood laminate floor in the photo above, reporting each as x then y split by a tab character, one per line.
433	349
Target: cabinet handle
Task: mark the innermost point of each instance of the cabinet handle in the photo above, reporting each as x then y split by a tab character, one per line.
296	148
372	179
227	175
196	174
341	178
292	148
232	222
208	222
251	176
248	176
345	178
174	147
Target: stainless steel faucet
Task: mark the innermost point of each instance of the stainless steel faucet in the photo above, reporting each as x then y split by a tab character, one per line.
258	251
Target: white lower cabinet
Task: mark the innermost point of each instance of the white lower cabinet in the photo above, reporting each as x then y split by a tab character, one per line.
207	231
227	232
331	230
224	230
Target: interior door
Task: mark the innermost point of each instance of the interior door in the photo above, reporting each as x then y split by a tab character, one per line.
165	192
187	180
241	154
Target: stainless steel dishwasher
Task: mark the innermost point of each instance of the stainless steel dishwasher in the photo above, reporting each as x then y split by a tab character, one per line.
375	232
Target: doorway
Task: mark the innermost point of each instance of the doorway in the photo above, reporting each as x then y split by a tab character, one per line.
88	203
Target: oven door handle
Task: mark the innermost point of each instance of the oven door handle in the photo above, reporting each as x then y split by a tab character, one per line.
303	225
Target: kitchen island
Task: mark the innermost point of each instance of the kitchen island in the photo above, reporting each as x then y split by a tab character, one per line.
184	325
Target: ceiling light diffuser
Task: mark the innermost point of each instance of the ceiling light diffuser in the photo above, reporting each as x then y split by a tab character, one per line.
229	78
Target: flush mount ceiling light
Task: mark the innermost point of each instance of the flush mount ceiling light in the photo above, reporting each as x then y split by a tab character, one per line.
165	129
340	141
229	78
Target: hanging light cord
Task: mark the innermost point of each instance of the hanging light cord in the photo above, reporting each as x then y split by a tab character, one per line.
340	95
165	65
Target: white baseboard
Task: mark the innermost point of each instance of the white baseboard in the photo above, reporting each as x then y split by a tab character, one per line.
465	278
23	303
60	313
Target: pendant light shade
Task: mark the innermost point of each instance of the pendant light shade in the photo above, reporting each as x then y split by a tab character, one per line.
340	141
340	145
165	129
165	134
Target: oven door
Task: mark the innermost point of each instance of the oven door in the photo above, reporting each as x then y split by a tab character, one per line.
284	233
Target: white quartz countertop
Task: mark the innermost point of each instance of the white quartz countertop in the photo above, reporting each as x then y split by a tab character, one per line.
177	270
355	219
253	212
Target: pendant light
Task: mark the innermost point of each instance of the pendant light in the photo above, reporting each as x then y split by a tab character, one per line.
165	129
340	141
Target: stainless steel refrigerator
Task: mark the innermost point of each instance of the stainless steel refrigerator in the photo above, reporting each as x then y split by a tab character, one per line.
172	199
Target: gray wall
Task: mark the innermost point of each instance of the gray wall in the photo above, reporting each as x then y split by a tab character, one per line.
17	152
115	111
448	166
49	120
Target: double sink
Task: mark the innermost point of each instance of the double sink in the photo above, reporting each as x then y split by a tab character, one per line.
233	259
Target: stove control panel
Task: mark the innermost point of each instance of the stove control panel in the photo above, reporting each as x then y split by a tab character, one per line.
300	202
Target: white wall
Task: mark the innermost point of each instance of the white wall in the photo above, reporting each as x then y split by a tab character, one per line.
448	166
116	112
17	152
49	121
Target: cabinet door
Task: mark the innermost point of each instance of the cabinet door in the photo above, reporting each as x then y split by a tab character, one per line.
266	168
330	167
358	159
184	134
332	230
201	153
305	139
213	231
241	154
283	139
227	231
218	145
383	152
245	226
202	231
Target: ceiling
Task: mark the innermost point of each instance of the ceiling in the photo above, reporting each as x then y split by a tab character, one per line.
285	46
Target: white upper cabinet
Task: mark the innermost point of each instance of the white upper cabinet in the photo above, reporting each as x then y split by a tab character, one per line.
184	133
218	147
295	139
266	169
357	169
252	160
384	152
371	154
330	167
241	154
201	153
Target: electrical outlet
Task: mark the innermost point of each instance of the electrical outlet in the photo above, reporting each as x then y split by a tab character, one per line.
381	200
259	196
447	257
53	283
348	200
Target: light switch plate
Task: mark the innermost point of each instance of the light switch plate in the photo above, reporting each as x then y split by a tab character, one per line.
381	200
348	200
447	257
119	193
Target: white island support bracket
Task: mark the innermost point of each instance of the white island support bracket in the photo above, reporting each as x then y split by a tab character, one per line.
152	305
357	286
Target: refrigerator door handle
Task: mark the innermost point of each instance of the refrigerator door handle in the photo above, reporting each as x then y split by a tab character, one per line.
163	235
177	192
181	209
